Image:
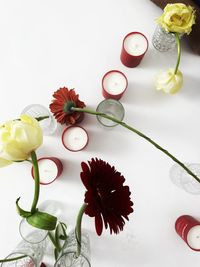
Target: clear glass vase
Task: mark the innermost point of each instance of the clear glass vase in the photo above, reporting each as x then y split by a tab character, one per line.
30	255
48	125
163	41
184	180
68	258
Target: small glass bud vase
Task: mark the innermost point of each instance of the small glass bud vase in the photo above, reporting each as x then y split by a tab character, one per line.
31	234
184	180
49	124
68	258
112	108
163	41
28	254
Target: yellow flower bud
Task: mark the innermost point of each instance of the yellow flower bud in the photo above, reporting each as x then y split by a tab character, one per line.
169	82
177	18
18	138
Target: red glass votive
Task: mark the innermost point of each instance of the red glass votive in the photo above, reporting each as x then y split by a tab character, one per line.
114	84
134	47
50	169
188	228
75	138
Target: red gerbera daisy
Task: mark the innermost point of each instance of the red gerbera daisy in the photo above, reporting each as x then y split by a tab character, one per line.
106	198
61	105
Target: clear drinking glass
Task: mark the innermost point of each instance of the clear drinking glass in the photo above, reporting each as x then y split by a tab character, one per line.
48	125
31	234
184	180
34	254
68	258
162	40
112	108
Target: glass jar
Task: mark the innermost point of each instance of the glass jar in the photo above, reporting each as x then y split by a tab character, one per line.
184	180
30	255
163	41
68	258
49	124
112	108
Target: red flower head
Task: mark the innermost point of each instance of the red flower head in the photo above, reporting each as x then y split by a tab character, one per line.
61	106
106	198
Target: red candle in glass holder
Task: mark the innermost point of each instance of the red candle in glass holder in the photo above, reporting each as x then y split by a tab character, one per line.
188	228
75	138
134	47
114	84
50	169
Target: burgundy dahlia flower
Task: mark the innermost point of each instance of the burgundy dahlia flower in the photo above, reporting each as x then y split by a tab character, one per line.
107	199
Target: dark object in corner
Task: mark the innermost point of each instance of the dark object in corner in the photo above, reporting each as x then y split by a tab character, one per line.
194	37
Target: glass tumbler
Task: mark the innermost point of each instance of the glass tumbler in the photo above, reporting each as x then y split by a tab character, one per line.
28	254
112	108
162	40
184	180
49	124
68	258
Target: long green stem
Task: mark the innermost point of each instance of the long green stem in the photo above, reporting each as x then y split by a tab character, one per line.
54	241
178	52
78	229
14	259
141	135
37	181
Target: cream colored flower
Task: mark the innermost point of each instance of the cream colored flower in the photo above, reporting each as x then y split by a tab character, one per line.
169	82
177	18
18	138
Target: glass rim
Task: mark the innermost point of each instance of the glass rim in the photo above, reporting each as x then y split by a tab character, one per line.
19	253
72	252
112	100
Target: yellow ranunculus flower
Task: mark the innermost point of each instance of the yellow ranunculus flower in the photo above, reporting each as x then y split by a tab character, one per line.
169	82
177	18
18	138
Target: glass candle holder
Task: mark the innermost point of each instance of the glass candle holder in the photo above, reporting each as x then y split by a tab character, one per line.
68	257
48	125
163	41
30	255
184	180
31	234
112	108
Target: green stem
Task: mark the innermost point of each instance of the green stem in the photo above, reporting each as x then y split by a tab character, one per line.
78	229
54	241
41	118
14	259
178	51
141	135
37	181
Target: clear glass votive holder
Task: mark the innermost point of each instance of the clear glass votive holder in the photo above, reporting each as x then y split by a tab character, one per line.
49	124
112	108
28	254
68	258
31	234
163	41
184	180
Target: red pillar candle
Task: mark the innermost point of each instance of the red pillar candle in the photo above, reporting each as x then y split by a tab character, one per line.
188	228
75	138
50	169
134	47
114	84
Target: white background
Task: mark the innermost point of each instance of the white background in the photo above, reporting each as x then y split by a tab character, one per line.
46	45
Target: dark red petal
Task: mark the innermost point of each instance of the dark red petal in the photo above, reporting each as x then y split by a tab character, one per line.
98	223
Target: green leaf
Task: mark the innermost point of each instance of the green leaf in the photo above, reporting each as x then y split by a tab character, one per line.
42	221
22	213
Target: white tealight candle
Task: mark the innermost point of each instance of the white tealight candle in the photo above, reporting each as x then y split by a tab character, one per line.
114	84
135	44
193	237
74	138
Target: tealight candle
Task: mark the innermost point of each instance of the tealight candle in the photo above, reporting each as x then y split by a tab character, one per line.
134	47
75	138
188	228
50	169
114	84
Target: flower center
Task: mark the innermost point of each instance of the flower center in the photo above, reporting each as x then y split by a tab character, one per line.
67	107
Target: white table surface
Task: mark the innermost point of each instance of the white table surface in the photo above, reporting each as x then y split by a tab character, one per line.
48	44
